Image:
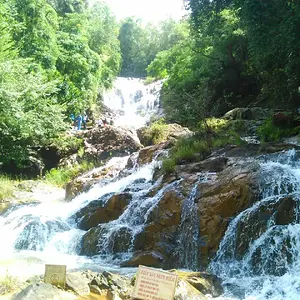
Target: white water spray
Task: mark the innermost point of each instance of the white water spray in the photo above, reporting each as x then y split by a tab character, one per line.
133	101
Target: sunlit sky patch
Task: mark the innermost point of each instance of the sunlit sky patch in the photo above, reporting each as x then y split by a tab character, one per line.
147	10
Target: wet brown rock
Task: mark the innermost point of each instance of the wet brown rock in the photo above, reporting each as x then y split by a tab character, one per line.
214	164
84	182
220	200
90	240
108	141
147	154
108	211
145	258
255	223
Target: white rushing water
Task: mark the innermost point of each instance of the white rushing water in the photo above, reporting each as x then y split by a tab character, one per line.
259	256
133	101
35	234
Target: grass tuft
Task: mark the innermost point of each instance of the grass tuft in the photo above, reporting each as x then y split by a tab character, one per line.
61	176
9	284
6	188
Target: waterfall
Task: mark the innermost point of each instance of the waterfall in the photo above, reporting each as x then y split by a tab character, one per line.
133	101
259	255
189	238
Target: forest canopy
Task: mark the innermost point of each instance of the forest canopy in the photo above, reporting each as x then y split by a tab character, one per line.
58	56
237	53
55	56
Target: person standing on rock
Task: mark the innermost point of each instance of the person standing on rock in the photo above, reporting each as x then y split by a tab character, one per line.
79	121
84	120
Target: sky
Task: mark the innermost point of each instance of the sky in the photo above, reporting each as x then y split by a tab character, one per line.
147	10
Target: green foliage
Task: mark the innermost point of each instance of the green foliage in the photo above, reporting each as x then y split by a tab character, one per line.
54	58
155	133
67	144
35	33
238	53
168	166
6	188
189	150
269	132
9	284
140	44
61	176
29	113
212	133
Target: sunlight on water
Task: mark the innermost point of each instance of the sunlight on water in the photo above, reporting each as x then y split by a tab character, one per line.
133	101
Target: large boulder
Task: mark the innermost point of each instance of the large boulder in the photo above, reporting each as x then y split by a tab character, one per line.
90	242
219	196
77	283
45	291
108	141
84	182
155	244
252	113
145	258
102	211
146	155
99	240
234	190
196	285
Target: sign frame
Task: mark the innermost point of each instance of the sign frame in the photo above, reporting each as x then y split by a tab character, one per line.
159	273
56	275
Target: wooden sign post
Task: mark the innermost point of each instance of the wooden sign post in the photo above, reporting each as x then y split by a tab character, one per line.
153	284
56	275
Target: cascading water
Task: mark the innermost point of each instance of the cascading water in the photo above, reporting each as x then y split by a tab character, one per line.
46	232
259	255
189	238
133	101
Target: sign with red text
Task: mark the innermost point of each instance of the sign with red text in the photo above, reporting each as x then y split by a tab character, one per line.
153	284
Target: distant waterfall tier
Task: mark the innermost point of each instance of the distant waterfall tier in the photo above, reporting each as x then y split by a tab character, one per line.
133	101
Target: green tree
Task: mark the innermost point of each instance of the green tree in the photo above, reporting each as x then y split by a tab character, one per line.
29	113
103	39
77	63
35	31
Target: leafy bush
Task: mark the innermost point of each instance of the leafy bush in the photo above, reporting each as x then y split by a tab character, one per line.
268	132
168	166
189	150
6	188
186	150
212	133
61	176
155	133
67	144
